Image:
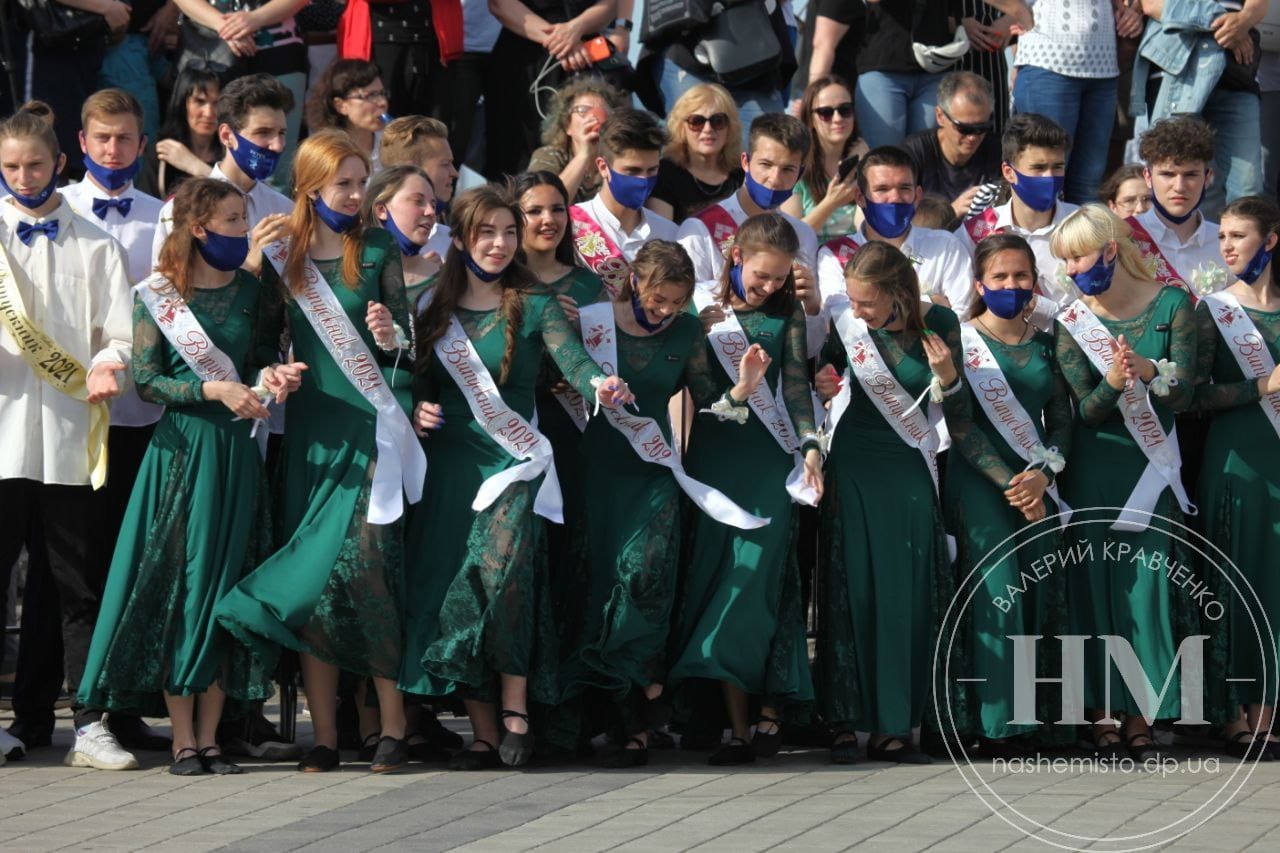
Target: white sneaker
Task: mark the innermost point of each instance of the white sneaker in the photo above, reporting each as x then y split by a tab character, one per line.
98	748
10	745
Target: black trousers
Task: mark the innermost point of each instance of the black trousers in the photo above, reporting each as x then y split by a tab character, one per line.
64	79
512	141
412	74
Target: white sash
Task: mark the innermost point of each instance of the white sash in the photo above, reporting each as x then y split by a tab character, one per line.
503	424
1247	345
574	405
1164	462
1003	408
729	341
401	466
183	331
599	335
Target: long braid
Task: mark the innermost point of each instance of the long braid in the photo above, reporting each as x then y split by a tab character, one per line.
513	314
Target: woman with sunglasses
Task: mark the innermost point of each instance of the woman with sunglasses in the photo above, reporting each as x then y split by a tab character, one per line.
700	165
350	96
824	196
571	135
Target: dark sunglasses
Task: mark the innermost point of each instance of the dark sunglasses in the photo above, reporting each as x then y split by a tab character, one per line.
980	129
828	113
719	121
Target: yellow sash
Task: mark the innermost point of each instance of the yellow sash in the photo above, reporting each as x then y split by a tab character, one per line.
48	361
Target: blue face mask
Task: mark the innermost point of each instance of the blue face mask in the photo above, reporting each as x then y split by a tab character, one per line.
889	219
254	160
337	222
31	202
629	190
112	179
1178	220
1256	265
223	253
479	271
1097	278
763	196
1038	192
641	317
735	282
1008	303
891	319
408	248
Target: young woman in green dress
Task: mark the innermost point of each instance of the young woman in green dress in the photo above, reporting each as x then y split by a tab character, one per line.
194	522
402	200
999	484
1138	371
739	617
886	550
333	590
1240	476
632	499
479	622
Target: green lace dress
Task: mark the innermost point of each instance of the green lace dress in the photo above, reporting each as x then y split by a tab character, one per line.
1126	596
1240	508
884	577
633	520
195	524
739	616
842	222
479	603
979	516
333	589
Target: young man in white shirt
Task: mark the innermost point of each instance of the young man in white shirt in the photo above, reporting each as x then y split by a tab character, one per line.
424	142
610	227
888	193
1035	167
66	334
1175	236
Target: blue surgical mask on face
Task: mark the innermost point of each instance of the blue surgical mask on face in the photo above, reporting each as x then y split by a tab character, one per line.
1256	264
1038	192
337	222
1178	220
31	202
479	271
889	219
408	248
223	253
763	196
735	282
112	179
254	160
1008	303
631	191
638	310
891	319
1097	278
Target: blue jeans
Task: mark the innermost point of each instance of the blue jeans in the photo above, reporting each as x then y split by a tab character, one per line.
675	81
1236	118
892	105
1085	107
130	66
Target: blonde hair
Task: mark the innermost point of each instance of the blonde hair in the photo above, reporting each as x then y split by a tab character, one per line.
318	160
409	140
719	100
1090	229
105	103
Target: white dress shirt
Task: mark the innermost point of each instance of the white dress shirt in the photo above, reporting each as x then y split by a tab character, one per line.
260	201
76	288
941	263
651	227
136	234
1198	261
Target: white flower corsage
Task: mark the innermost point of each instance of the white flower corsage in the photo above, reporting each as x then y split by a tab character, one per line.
1166	377
727	410
1208	278
1047	457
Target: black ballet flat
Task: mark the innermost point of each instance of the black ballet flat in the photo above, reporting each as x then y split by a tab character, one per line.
766	744
319	759
1106	744
904	754
515	748
217	763
844	751
736	751
191	765
426	751
1141	752
392	755
436	733
476	759
623	757
1237	747
368	747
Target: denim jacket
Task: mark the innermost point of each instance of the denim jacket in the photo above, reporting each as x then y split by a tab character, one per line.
1181	45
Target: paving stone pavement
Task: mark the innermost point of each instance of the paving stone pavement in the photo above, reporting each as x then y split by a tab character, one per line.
797	801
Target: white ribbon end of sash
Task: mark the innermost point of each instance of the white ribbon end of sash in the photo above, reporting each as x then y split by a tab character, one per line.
933	392
1047	457
727	411
1166	377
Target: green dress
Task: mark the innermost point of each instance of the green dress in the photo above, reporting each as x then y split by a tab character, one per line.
841	223
479	603
633	520
1240	508
1107	593
333	588
980	518
883	574
739	616
195	524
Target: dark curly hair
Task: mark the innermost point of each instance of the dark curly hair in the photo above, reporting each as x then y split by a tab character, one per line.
1182	139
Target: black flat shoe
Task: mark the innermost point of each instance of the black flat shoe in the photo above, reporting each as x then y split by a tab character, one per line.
622	758
426	751
736	751
476	759
1242	745
191	765
1106	744
217	764
766	744
515	748
369	747
903	754
391	755
1141	752
430	727
844	751
320	759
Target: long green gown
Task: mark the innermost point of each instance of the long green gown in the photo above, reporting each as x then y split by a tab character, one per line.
334	587
884	575
195	524
633	521
479	604
739	616
979	516
1109	594
1240	505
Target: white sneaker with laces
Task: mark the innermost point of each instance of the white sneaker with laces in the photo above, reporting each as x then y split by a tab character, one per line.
98	748
10	745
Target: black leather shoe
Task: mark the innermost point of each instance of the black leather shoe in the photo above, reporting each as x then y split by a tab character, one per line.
736	751
369	747
435	732
515	748
32	736
1141	752
135	734
321	759
392	755
216	763
844	751
903	754
624	757
426	751
766	744
186	762
477	759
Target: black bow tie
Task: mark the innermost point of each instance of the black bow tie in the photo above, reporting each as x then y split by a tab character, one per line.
102	205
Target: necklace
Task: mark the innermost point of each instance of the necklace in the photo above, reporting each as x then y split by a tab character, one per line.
1021	337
